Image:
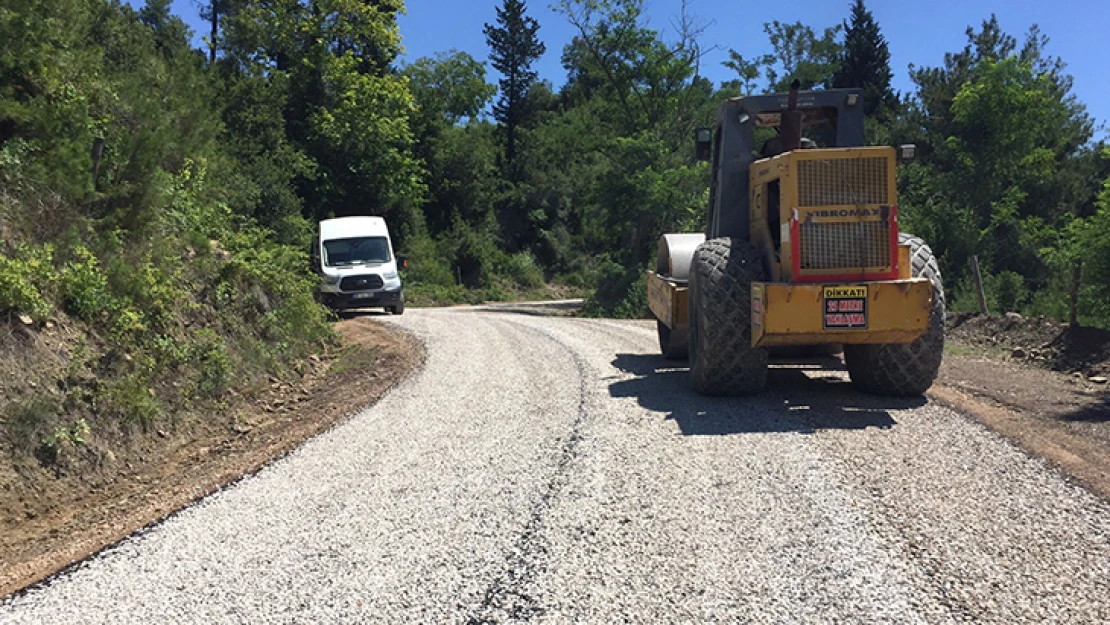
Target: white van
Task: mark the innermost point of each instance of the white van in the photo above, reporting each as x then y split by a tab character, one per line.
354	256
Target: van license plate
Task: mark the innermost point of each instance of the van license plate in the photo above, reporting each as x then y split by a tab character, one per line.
362	296
845	307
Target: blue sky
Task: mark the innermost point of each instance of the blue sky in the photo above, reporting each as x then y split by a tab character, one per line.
918	31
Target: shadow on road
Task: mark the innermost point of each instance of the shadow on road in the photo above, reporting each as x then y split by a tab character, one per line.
1097	411
556	308
355	313
791	402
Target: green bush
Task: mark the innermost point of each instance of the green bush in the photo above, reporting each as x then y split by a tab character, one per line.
1051	302
621	293
523	270
300	323
187	208
84	287
426	265
634	303
54	445
208	354
422	294
169	353
141	284
19	276
963	298
1009	291
267	283
1005	292
495	293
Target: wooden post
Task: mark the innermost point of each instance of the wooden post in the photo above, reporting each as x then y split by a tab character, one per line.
979	285
1073	294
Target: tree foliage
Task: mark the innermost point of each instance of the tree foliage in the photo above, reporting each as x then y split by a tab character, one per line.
324	67
865	63
1005	147
514	45
295	111
133	214
798	52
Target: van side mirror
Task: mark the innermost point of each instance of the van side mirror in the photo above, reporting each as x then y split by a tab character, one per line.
314	256
402	261
703	144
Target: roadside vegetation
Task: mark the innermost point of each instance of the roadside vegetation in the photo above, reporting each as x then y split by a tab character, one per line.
156	200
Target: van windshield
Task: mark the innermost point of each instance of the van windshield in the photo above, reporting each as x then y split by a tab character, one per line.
355	251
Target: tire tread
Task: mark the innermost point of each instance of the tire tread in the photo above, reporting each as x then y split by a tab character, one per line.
724	362
904	369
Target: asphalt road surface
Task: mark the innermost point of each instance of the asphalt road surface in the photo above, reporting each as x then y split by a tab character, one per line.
557	470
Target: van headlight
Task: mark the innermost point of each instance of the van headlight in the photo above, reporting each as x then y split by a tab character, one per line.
330	279
390	275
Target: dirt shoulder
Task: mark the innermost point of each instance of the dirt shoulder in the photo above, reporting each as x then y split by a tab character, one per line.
1061	417
46	524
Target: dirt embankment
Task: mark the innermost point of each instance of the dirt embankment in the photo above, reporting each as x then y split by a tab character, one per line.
1038	342
48	520
1037	382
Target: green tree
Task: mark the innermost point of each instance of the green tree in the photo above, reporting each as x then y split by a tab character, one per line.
155	252
215	13
614	168
169	31
747	71
798	53
448	88
514	47
1002	141
1093	242
325	68
865	62
457	149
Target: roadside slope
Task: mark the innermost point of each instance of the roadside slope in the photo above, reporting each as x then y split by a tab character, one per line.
49	525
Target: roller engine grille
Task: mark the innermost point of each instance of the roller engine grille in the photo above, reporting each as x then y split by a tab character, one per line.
843	182
844	246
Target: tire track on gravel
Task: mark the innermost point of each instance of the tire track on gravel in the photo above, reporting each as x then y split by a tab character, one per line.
508	595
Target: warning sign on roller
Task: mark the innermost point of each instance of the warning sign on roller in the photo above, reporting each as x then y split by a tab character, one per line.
845	307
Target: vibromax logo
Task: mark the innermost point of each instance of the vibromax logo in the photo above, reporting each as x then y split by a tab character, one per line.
847	212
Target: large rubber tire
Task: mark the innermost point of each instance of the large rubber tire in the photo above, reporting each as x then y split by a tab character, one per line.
722	359
904	369
670	343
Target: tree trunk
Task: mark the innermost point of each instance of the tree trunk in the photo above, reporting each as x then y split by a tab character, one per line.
1073	294
215	18
511	117
510	145
979	286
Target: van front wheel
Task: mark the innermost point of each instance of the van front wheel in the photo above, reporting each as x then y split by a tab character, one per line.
399	309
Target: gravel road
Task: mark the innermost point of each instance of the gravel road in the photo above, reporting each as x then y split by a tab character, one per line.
556	470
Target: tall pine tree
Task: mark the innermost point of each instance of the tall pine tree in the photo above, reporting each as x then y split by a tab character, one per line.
865	62
514	46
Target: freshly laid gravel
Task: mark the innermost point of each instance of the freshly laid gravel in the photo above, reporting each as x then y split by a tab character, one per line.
557	470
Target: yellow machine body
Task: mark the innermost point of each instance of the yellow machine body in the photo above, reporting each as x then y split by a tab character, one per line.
881	312
801	248
667	300
895	311
826	215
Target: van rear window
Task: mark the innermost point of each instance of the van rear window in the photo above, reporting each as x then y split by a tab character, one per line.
356	251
